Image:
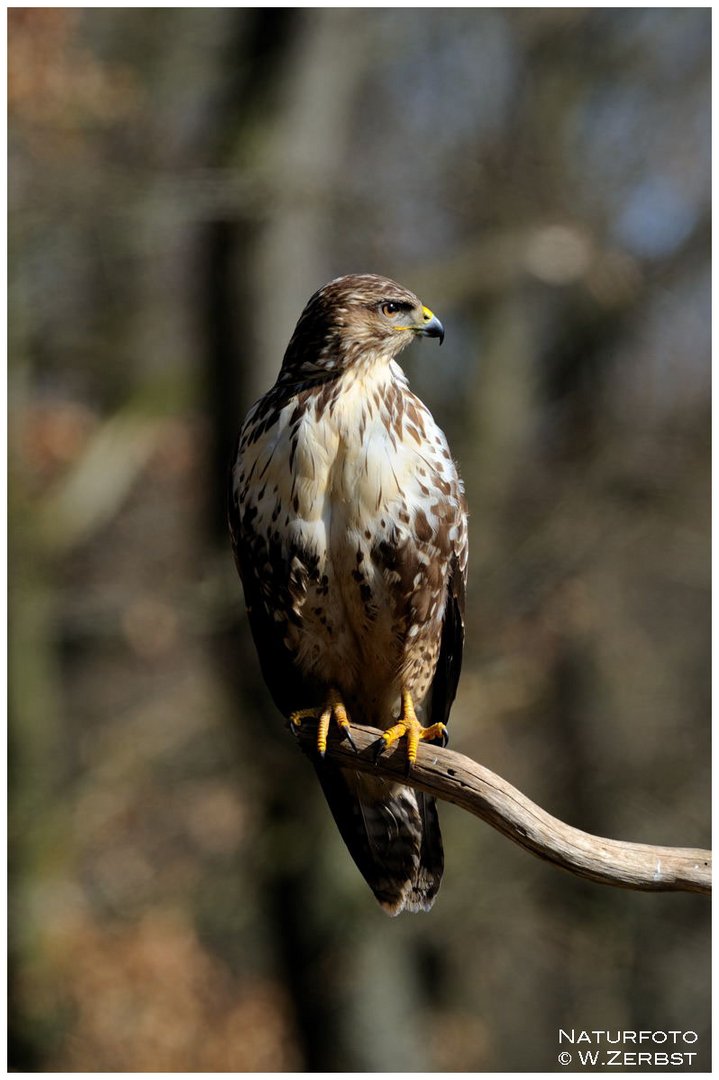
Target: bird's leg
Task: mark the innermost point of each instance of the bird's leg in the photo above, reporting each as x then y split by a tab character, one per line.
333	709
409	725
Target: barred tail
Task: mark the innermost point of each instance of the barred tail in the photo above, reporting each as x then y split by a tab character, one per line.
392	833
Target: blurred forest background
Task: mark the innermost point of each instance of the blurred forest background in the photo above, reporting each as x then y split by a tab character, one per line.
181	180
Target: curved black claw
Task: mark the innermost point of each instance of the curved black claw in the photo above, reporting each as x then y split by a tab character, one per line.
378	748
352	743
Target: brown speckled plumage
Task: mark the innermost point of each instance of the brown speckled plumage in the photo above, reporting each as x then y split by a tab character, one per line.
348	522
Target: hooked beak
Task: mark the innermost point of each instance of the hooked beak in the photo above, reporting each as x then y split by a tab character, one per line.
431	326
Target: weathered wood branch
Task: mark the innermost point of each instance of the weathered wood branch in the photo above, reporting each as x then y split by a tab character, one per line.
457	779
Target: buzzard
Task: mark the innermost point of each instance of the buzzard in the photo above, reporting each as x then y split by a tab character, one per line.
349	528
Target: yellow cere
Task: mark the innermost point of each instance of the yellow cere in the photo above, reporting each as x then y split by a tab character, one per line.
426	315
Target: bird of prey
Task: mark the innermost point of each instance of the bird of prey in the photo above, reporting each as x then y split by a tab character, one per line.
349	527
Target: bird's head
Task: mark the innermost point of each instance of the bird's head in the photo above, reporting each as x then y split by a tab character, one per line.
357	319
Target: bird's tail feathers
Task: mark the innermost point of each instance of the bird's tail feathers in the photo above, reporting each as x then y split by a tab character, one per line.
392	833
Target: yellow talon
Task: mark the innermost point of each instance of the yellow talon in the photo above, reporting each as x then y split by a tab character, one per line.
297	717
333	709
409	725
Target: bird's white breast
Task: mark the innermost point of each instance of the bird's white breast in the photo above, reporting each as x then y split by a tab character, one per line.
346	477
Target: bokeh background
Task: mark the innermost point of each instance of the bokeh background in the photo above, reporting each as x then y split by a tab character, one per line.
180	182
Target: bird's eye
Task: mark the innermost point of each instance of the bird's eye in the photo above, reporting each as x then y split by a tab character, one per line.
390	308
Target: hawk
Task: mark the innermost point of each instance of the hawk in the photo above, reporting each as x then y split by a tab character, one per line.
349	528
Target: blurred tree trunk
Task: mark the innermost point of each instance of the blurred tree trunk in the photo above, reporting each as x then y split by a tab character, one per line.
260	270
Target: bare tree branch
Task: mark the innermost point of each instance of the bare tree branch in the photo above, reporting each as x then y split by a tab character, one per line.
464	782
